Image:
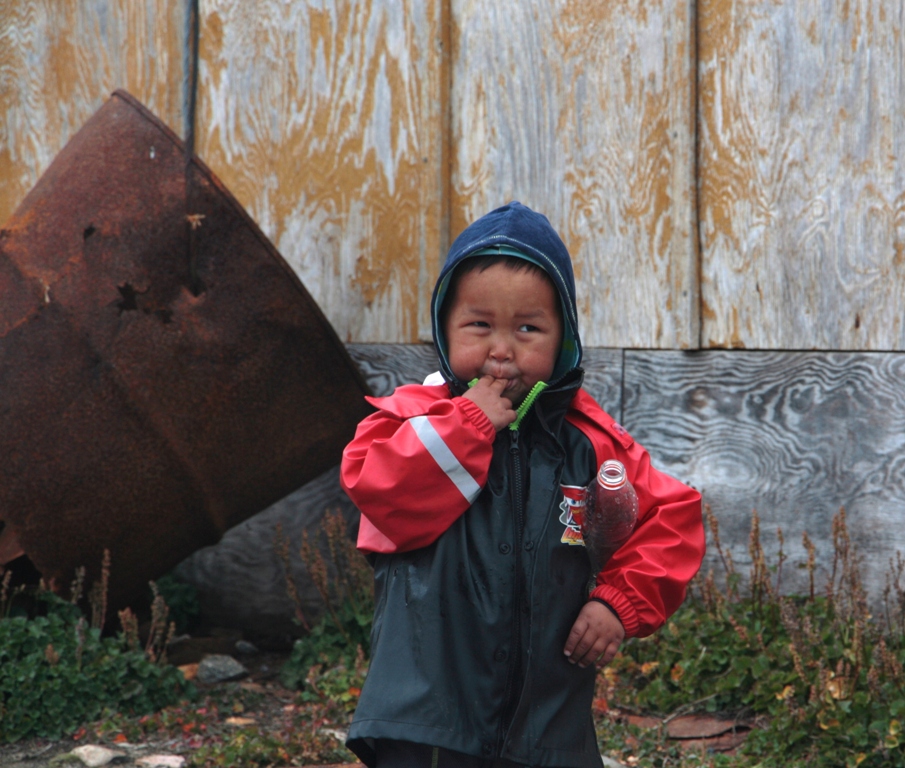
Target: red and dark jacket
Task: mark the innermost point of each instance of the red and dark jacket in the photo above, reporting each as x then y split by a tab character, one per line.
478	581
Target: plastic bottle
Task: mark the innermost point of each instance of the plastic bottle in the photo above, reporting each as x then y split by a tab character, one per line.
610	515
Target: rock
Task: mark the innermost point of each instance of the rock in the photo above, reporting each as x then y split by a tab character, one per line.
246	648
161	761
220	669
92	756
240	722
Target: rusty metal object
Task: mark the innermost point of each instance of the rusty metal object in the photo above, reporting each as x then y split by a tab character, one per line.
138	414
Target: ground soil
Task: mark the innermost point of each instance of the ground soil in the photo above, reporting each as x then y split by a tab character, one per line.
270	698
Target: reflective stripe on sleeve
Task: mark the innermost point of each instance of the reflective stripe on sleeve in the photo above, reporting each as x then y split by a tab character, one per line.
444	457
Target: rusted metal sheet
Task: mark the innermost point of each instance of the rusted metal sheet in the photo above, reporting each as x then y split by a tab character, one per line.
138	414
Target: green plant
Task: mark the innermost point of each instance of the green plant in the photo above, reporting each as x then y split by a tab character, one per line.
58	671
182	600
340	641
237	725
824	679
305	734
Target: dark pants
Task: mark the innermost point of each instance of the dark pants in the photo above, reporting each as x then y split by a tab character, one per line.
405	754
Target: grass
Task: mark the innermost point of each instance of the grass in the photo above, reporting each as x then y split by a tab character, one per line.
58	669
818	676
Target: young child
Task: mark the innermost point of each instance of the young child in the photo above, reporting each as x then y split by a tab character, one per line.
485	643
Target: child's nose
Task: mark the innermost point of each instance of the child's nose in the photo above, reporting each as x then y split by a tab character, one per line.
500	348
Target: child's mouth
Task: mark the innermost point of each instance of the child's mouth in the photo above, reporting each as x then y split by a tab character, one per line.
511	381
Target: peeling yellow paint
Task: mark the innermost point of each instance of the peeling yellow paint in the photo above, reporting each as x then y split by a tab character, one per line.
337	157
66	59
331	125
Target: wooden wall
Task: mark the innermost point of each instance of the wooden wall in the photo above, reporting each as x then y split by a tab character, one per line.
59	61
793	436
728	175
802	174
725	174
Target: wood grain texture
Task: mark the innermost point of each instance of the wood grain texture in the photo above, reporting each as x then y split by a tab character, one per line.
387	366
584	111
241	580
802	137
59	61
325	120
795	436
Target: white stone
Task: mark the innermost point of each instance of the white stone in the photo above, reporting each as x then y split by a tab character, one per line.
161	761
95	756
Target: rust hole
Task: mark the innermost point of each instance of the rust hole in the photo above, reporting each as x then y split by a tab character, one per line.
129	301
89	230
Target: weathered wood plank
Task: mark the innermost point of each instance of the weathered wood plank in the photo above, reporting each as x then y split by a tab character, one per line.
795	436
584	111
325	121
387	366
603	378
60	61
802	138
241	580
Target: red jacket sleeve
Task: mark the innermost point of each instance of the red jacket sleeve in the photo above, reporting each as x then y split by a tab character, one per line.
415	466
645	580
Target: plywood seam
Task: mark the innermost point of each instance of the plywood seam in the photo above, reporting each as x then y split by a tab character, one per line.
446	79
190	73
698	321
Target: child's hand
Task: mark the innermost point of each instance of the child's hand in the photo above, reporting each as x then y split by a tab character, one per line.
487	394
595	636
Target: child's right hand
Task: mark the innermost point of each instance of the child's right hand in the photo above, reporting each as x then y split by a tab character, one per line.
487	394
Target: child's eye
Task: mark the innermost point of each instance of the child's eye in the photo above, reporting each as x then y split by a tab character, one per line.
528	328
480	324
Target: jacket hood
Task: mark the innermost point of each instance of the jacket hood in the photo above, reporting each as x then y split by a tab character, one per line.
513	230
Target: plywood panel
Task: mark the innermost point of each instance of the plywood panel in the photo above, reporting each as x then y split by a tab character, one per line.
795	436
324	119
59	61
387	366
584	111
802	179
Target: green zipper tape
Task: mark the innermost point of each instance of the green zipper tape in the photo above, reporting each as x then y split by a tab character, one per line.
526	403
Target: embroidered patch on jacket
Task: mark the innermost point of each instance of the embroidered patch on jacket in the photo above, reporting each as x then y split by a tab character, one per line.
572	506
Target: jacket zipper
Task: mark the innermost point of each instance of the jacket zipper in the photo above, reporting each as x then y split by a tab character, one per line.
513	689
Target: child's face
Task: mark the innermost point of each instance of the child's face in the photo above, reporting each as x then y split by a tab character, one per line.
505	323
